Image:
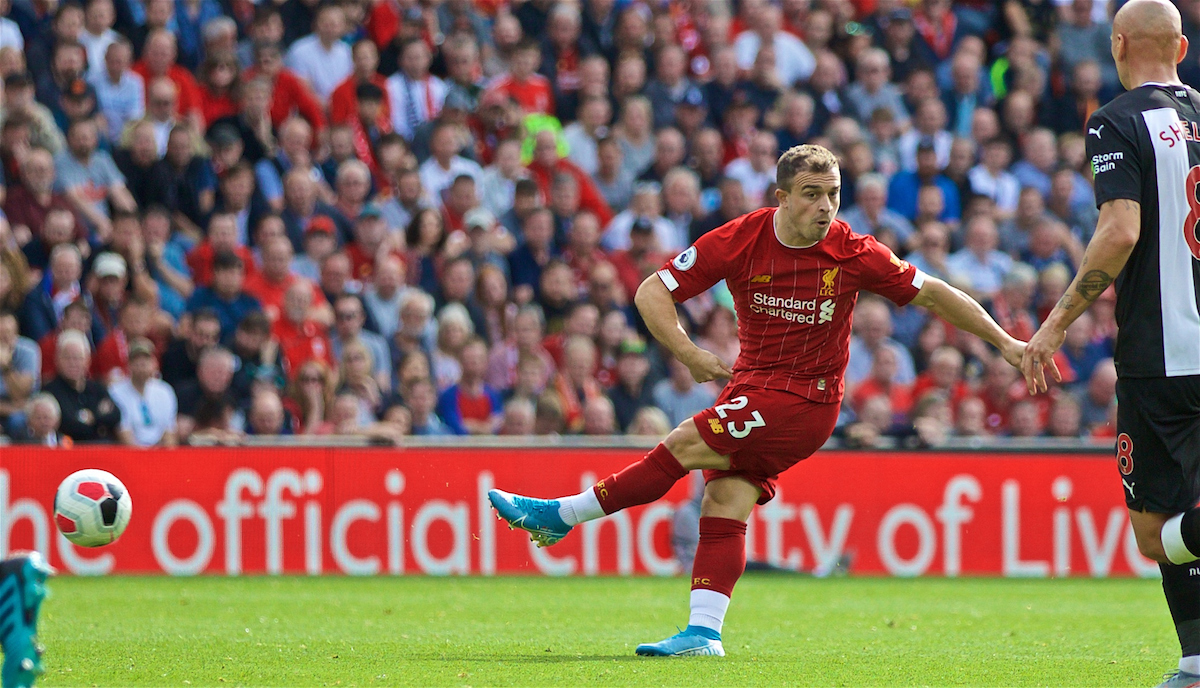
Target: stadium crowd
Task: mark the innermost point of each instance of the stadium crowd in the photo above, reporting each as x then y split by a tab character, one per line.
398	217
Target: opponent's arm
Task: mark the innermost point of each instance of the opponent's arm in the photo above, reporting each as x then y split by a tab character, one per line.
960	310
657	307
1117	232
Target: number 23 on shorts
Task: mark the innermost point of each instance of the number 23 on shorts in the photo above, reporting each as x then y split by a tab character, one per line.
737	404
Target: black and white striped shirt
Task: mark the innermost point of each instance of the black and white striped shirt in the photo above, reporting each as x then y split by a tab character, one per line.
1145	146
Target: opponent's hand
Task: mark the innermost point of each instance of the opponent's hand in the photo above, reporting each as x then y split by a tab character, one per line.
1039	355
1013	352
706	366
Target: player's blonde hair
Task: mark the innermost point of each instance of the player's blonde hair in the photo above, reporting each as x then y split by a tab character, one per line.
805	158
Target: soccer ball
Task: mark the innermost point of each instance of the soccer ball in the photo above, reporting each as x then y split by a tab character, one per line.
92	507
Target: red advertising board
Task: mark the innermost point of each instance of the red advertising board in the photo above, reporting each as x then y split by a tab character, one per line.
424	511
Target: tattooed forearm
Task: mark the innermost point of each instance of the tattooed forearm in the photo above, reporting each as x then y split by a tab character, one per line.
1092	284
1065	302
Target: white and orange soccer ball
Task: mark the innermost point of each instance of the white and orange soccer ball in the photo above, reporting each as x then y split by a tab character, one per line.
92	508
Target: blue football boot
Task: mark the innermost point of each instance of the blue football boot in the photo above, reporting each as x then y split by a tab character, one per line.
693	641
22	589
1180	679
538	517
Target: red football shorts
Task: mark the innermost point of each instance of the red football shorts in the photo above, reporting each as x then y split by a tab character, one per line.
763	432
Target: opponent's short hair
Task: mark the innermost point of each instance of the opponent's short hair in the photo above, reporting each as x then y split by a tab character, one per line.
805	158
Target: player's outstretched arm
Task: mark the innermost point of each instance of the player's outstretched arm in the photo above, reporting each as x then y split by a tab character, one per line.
657	307
960	310
1117	232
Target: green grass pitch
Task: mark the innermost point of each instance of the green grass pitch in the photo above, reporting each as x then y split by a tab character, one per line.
537	631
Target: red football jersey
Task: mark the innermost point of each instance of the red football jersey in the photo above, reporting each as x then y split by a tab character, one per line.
794	305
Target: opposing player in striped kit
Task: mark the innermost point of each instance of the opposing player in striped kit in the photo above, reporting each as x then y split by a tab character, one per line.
795	273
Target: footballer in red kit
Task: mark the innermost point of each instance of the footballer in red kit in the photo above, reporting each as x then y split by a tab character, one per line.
795	273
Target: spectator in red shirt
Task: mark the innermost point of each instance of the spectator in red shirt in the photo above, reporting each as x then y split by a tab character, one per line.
371	238
112	355
219	86
532	91
158	60
289	93
343	103
222	236
301	338
271	283
28	203
546	162
944	374
882	382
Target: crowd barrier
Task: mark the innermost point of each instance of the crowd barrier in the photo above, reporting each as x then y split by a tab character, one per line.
367	511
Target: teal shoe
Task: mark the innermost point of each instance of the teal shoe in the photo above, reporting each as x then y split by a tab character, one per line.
692	641
22	589
538	517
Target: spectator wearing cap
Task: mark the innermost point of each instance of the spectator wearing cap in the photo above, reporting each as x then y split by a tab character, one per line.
225	295
21	104
631	391
88	412
595	114
444	164
301	337
89	178
120	92
148	405
793	60
904	186
547	163
414	96
321	58
646	205
870	214
269	284
287	92
28	204
108	289
20	373
158	60
490	244
319	241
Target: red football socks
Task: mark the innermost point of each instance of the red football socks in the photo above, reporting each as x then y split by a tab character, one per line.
721	556
641	482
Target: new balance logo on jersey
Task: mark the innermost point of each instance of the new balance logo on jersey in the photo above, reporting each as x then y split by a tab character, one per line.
760	279
1095	131
827	307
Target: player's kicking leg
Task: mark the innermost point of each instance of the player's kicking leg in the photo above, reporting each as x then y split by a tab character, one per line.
22	589
720	561
549	520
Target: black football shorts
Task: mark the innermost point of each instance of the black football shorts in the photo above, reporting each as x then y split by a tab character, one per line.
1158	442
